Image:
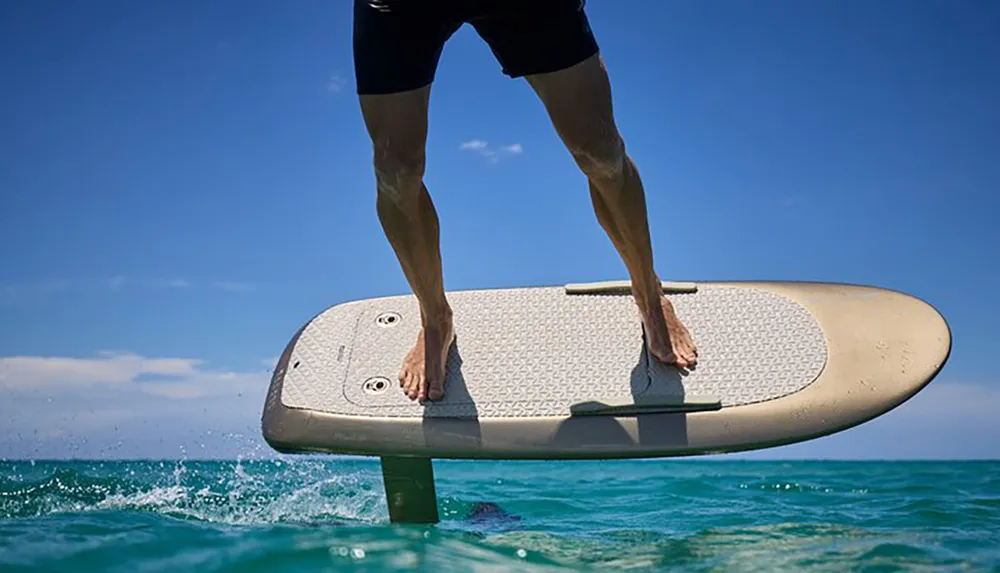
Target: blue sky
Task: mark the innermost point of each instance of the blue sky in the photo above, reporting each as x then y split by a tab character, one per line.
185	183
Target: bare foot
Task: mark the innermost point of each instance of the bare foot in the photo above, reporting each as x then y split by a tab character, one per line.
422	374
667	338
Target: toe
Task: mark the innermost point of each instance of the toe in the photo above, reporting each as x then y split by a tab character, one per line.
685	353
677	357
422	390
434	390
691	351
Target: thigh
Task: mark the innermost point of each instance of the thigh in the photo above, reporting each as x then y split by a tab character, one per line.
578	101
536	36
397	43
397	125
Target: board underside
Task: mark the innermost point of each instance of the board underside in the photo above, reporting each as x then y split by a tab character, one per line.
527	361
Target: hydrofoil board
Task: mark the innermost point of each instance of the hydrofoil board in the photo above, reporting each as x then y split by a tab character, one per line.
562	372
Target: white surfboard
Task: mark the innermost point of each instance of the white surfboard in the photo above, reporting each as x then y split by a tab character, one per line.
561	372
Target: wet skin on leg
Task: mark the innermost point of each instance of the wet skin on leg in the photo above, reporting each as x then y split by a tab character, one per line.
578	101
397	125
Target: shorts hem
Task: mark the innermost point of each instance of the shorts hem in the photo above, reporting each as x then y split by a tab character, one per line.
551	67
390	89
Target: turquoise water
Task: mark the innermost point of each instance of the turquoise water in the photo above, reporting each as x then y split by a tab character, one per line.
317	514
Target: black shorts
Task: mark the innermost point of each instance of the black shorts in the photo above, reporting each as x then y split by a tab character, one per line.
397	43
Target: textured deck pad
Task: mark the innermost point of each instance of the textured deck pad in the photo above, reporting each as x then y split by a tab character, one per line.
531	352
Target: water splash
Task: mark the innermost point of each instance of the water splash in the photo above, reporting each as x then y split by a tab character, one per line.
234	493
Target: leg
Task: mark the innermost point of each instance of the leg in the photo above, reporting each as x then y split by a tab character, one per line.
396	51
398	129
552	46
578	100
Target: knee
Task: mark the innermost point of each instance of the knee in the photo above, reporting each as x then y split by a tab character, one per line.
602	158
398	171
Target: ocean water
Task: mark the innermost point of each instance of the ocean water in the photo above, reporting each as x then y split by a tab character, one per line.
322	514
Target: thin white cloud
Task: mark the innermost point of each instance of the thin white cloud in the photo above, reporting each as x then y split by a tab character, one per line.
176	391
474	144
177	283
167	377
107	368
336	84
116	283
124	404
217	419
482	147
233	286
